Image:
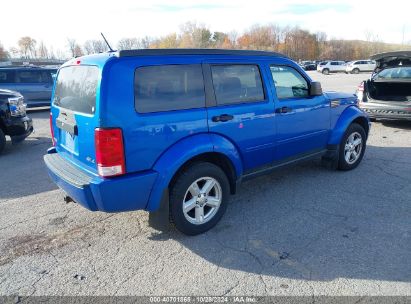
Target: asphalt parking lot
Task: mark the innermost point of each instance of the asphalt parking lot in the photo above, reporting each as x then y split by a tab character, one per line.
303	230
339	82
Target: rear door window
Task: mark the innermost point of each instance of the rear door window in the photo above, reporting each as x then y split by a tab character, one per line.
289	83
29	76
76	88
46	77
168	87
7	76
238	83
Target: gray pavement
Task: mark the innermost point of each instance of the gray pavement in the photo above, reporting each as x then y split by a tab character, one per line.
303	230
339	81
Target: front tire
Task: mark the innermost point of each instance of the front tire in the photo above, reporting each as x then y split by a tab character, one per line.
198	198
356	71
326	71
352	147
2	141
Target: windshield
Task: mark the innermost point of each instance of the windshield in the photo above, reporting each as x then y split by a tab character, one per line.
76	88
400	73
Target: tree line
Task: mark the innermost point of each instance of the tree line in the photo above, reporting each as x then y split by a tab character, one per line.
293	41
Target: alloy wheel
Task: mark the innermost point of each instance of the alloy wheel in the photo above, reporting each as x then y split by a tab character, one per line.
353	148
202	200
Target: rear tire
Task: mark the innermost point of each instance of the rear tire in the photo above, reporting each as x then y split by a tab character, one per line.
198	198
352	147
326	71
2	141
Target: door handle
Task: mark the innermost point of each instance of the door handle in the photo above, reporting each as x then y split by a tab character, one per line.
222	118
283	110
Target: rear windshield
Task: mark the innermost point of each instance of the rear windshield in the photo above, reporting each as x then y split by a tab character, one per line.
76	88
400	73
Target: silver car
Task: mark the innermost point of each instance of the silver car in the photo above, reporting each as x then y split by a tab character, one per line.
355	67
387	94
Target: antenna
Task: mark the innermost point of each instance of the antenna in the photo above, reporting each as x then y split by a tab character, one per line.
105	40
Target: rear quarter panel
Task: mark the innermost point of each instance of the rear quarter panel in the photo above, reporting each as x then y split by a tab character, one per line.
178	154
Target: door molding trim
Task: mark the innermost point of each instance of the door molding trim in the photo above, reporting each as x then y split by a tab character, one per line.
276	164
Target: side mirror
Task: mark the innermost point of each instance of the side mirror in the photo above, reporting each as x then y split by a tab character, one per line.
315	89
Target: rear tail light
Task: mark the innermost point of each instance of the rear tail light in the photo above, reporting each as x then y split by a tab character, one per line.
361	87
109	152
52	130
360	93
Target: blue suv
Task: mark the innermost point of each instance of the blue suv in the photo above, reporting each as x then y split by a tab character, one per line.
34	83
175	132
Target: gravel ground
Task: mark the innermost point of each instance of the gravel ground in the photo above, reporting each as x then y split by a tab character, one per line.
303	230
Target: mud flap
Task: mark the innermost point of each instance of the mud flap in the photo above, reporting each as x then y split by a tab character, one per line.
160	219
331	157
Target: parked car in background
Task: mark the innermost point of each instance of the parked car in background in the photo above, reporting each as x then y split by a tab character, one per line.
176	131
320	64
13	119
331	67
34	83
309	65
355	67
387	94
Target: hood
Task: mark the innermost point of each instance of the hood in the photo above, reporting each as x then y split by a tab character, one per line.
9	93
337	95
391	59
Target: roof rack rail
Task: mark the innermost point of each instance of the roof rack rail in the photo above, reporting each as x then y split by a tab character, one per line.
159	52
22	67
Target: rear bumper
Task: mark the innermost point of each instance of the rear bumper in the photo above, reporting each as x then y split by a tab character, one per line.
124	193
386	111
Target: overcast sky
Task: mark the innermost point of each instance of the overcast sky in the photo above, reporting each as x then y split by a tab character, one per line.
53	21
